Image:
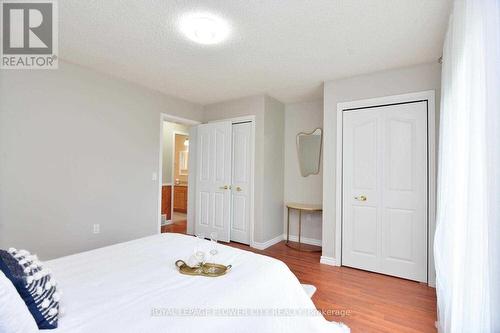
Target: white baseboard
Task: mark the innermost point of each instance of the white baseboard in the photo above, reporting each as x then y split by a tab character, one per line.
304	240
166	222
277	239
265	245
328	261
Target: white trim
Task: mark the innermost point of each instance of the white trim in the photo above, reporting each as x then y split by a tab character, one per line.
304	240
249	118
160	173
167	117
338	190
328	261
432	180
293	238
252	181
236	119
179	120
265	245
167	222
174	133
192	166
428	95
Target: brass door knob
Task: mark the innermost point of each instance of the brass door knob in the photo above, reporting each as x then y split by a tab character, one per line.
239	189
360	198
225	187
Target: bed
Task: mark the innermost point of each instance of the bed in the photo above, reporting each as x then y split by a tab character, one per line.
135	287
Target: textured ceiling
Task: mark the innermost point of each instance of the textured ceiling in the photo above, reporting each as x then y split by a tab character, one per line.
283	48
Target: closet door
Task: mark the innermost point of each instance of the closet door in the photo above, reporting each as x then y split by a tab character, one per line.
385	190
361	183
213	179
241	172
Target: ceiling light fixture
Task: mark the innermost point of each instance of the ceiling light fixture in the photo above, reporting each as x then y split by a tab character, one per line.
204	28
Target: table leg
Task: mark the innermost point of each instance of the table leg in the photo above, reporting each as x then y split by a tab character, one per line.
288	226
300	224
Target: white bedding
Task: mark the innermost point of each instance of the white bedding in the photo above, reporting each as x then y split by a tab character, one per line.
117	288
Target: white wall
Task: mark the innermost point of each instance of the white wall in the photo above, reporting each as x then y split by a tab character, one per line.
269	130
274	156
168	146
386	83
78	148
302	117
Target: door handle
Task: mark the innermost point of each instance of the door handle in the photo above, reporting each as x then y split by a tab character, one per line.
225	187
239	189
360	198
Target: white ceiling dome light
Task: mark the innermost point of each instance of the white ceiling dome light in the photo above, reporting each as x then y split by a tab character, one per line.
204	28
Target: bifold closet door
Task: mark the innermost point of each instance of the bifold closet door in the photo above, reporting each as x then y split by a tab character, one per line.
241	188
384	172
213	179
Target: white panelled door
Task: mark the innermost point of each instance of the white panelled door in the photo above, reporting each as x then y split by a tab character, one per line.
213	179
384	213
242	164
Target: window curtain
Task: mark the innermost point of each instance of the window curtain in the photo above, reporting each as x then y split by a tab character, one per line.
466	247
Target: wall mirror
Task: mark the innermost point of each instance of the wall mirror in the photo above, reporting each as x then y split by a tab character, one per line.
183	162
309	151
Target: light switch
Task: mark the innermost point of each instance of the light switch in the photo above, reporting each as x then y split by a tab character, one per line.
96	228
154	176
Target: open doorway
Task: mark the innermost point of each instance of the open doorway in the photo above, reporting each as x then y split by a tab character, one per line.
175	171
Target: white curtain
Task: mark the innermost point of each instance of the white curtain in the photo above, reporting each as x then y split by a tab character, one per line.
467	251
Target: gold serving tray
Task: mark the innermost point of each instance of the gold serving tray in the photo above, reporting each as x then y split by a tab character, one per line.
207	269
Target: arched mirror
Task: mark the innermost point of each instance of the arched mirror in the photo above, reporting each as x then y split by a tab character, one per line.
309	151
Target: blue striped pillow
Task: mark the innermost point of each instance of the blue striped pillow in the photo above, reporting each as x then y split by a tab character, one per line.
34	284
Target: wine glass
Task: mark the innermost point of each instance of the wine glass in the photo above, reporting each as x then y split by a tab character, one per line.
200	257
213	243
199	252
213	250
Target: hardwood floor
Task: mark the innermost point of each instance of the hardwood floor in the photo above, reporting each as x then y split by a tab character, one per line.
365	301
179	226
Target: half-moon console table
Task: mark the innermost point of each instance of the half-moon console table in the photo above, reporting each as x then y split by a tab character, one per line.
300	207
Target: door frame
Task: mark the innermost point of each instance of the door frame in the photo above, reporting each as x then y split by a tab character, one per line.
174	119
429	97
174	133
251	119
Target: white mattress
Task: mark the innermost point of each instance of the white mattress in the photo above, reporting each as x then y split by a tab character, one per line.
116	288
